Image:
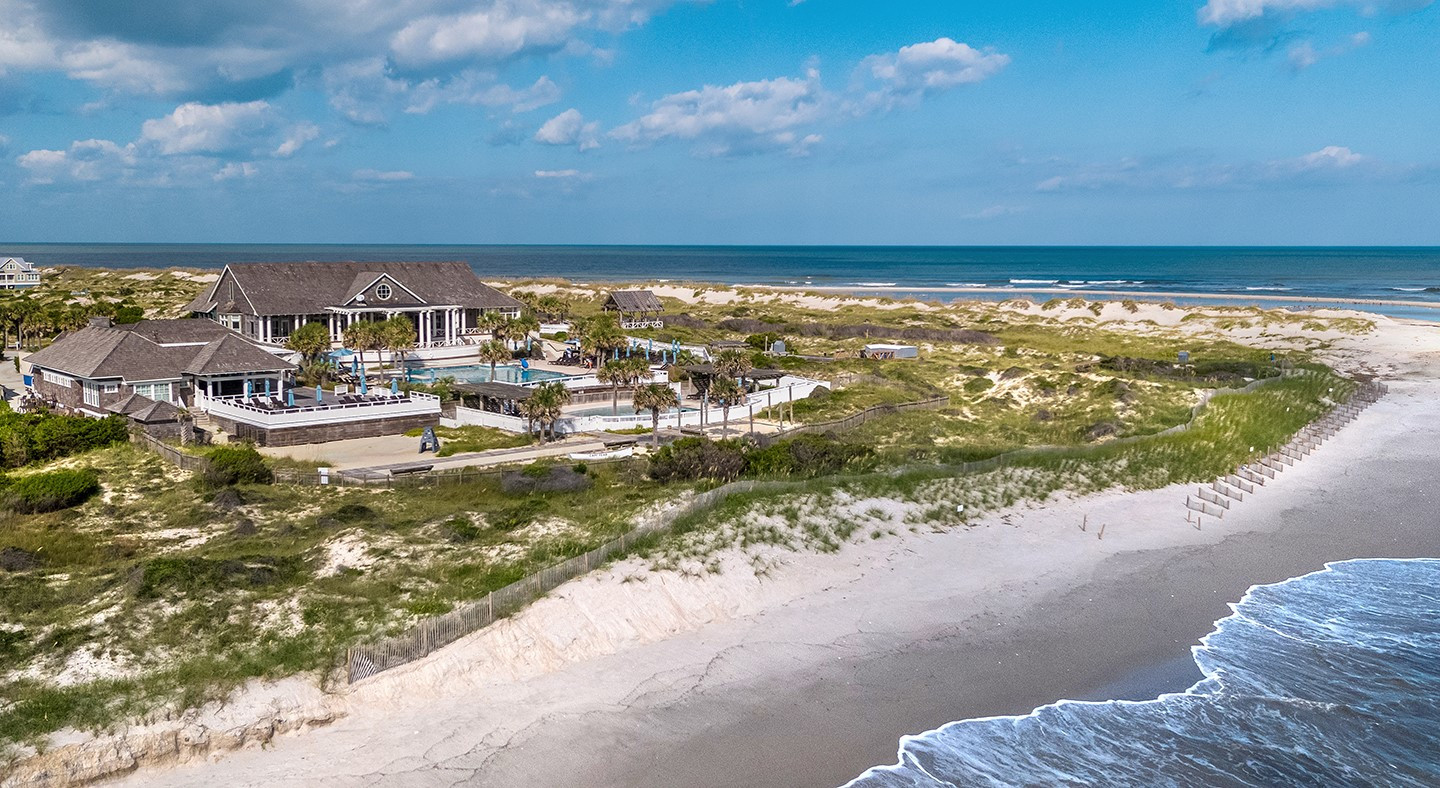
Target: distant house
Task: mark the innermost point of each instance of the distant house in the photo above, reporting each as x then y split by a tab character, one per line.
880	350
17	273
265	302
148	371
636	308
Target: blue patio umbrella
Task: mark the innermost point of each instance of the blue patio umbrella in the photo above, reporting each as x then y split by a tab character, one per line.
394	385
650	349
319	394
249	388
267	388
364	387
355	364
290	398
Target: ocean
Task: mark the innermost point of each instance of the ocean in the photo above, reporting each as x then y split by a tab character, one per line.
1409	274
1330	679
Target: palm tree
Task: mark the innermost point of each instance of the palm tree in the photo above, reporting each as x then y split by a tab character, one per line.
727	393
310	341
492	322
655	398
622	372
599	335
363	336
398	336
734	363
521	328
547	404
552	306
493	352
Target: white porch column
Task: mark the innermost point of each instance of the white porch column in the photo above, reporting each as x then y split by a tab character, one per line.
427	323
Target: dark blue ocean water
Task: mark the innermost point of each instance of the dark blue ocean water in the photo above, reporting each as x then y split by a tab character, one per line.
1330	679
1374	273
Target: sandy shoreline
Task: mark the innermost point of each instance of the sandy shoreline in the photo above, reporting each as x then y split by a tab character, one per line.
1075	292
809	676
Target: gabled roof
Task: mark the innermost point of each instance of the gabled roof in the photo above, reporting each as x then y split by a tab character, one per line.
634	301
94	352
20	261
232	355
311	288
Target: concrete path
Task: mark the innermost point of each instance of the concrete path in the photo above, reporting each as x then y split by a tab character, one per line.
399	451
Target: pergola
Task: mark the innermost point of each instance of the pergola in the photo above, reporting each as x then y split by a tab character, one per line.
637	308
496	397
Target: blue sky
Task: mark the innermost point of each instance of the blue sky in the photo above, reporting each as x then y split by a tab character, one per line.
731	122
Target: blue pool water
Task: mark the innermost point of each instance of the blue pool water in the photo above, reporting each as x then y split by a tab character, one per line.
1330	679
480	373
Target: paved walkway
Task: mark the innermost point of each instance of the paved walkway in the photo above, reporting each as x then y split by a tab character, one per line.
400	451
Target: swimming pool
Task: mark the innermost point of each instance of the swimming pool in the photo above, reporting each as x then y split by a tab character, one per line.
480	373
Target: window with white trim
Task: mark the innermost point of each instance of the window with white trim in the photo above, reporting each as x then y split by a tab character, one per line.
383	292
90	392
55	378
160	392
111	388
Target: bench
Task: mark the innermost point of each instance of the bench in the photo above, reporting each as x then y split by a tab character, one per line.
409	470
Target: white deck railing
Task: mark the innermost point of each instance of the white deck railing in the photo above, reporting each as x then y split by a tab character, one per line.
375	406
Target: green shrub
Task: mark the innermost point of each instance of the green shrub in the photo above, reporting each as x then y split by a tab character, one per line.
806	456
52	491
978	385
689	459
39	437
236	464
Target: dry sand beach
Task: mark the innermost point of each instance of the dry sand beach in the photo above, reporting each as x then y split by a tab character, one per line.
808	675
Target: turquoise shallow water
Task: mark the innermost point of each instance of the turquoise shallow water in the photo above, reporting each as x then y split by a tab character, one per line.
1330	679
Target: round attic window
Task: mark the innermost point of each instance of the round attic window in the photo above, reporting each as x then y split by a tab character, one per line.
383	292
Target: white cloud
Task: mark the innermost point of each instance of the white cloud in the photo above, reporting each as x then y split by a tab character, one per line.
493	33
383	176
1303	55
927	68
235	170
739	118
569	128
84	160
1224	13
296	139
561	174
1331	164
476	87
996	212
209	128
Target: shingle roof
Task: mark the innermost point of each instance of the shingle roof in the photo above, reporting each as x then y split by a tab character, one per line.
94	352
178	332
156	412
309	288
131	404
634	301
231	355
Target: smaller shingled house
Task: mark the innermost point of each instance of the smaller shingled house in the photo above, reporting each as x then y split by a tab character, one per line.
169	361
160	419
636	308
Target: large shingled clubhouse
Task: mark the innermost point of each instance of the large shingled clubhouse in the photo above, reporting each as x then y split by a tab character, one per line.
267	301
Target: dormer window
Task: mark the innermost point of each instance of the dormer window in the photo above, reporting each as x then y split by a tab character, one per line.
382	292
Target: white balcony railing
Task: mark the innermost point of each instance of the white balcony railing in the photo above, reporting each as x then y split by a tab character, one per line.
366	408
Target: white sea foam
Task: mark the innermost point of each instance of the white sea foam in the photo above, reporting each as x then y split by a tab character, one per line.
1034	281
875	284
966	284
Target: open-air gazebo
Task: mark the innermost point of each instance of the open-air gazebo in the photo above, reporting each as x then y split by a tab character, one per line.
636	308
494	397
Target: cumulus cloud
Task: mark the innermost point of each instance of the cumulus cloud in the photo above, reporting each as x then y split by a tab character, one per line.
480	88
1303	55
739	118
296	138
927	68
235	169
1273	24
782	114
210	128
241	50
569	128
84	160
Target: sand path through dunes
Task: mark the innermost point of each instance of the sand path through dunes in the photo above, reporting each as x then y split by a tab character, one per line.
808	676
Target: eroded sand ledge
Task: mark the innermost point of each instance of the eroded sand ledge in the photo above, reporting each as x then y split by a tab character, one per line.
808	676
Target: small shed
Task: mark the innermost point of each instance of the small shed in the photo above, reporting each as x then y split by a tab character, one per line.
158	419
637	308
887	351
